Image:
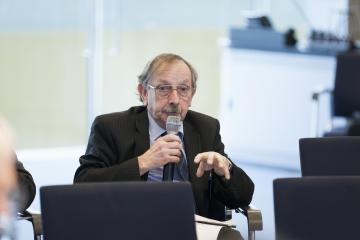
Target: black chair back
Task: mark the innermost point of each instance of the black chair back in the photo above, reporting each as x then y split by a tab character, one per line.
330	156
313	208
118	210
346	97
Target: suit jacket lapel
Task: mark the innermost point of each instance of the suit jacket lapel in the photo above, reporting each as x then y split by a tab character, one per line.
142	140
192	147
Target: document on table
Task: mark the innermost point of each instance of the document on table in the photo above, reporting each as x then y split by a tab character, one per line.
208	229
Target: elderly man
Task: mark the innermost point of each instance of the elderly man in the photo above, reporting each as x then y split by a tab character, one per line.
131	146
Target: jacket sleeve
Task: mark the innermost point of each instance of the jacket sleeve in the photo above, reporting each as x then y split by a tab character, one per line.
26	187
101	162
237	191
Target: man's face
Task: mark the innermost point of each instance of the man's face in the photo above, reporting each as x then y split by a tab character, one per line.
161	98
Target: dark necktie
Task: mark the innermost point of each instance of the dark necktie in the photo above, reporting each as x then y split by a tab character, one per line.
181	172
181	168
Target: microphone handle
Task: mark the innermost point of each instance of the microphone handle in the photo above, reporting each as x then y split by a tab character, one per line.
168	172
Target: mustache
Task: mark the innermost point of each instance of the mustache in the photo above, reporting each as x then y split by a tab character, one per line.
173	109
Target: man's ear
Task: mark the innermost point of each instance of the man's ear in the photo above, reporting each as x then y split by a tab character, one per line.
143	93
192	95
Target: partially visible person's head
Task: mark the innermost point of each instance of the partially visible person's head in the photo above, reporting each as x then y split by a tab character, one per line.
157	84
7	167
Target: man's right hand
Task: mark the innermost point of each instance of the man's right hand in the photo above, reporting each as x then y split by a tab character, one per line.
164	150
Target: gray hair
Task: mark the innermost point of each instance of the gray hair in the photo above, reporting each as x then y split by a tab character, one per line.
154	64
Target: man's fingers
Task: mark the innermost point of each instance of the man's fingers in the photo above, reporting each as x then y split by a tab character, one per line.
210	158
173	159
227	174
170	155
221	167
174	152
170	138
177	145
199	157
200	170
163	145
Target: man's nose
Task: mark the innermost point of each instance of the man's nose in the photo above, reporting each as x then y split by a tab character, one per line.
174	96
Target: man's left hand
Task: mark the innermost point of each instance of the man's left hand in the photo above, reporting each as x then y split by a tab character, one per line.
213	160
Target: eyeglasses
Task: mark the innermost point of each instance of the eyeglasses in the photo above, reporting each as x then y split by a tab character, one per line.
165	90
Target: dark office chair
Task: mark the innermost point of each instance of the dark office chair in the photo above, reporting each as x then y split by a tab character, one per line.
35	219
64	207
345	97
330	156
118	210
313	208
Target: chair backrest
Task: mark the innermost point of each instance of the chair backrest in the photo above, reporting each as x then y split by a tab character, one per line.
313	208
330	156
122	210
346	97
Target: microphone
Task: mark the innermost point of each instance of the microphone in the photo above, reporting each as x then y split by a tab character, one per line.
173	124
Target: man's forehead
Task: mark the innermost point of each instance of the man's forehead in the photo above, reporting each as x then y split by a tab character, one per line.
171	82
168	72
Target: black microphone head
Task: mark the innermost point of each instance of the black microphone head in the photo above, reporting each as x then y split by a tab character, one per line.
173	124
